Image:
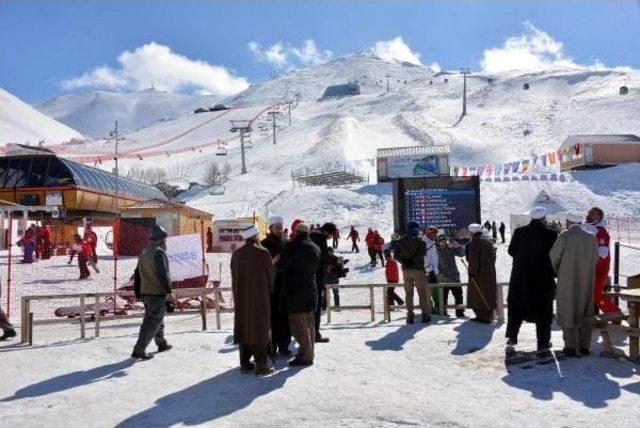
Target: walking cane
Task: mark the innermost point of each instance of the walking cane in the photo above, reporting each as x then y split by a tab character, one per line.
473	281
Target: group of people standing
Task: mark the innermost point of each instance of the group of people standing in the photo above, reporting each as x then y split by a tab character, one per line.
278	285
579	259
36	243
494	230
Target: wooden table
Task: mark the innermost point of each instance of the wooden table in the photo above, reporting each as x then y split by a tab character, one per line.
632	296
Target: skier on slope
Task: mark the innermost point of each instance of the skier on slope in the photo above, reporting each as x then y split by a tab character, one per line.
355	237
378	243
368	239
596	224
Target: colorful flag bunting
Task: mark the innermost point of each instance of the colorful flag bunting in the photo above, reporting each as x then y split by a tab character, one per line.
506	168
464	171
515	166
480	170
576	148
525	166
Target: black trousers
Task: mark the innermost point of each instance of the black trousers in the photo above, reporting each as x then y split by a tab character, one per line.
393	297
152	327
354	247
457	295
280	331
379	254
372	255
543	328
335	242
319	309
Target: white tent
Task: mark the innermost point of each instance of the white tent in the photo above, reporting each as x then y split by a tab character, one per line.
555	211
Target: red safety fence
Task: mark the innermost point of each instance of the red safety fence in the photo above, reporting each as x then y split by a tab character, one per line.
28	269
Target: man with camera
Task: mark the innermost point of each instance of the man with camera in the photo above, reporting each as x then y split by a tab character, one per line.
448	271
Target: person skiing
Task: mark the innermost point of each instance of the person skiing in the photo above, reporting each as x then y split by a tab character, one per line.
431	264
532	284
299	263
280	332
448	272
319	237
152	283
252	280
368	239
411	251
494	232
502	229
596	225
392	275
8	331
209	240
378	243
355	237
574	258
482	289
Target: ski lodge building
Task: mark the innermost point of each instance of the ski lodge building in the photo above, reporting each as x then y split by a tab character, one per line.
599	150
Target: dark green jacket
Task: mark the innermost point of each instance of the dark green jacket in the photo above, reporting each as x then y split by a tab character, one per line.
152	276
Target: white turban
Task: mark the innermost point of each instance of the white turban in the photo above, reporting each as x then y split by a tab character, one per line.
574	217
475	228
275	220
249	233
538	212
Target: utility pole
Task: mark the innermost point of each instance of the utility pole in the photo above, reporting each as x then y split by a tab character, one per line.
115	135
289	103
387	76
464	72
244	127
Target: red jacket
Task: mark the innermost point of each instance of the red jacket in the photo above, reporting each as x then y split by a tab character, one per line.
391	271
369	239
378	243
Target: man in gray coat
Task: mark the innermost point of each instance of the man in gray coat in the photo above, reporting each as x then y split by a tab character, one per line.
574	257
153	284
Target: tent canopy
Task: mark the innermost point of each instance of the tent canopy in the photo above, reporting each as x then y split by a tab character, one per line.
555	211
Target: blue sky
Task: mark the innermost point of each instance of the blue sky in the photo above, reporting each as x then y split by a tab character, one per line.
53	47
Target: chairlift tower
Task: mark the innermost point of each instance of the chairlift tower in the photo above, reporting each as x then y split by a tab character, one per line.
114	134
387	76
273	117
244	127
289	104
464	72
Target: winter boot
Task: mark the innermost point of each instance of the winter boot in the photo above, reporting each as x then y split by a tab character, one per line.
247	369
585	351
164	347
426	319
320	339
410	319
570	352
8	334
459	313
142	356
263	369
296	362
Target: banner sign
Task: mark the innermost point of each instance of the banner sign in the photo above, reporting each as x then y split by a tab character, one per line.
185	256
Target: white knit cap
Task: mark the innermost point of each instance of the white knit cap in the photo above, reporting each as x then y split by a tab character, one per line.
275	220
475	228
538	212
574	217
249	233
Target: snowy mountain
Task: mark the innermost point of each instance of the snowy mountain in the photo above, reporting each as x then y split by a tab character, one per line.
94	113
504	123
21	123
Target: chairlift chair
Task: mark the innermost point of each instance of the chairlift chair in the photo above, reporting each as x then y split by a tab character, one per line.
624	90
446	80
525	86
221	150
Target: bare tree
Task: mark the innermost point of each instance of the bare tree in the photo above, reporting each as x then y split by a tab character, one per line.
151	175
179	171
226	171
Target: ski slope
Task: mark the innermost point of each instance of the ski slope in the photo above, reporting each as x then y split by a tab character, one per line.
22	124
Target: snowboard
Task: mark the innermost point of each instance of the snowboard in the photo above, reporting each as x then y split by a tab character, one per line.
74	311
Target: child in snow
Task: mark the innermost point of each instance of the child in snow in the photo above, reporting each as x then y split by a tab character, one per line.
392	275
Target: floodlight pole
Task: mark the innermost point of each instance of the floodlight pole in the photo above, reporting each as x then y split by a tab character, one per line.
387	76
464	72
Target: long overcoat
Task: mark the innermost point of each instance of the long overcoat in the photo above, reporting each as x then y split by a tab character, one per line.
482	289
532	284
252	278
574	257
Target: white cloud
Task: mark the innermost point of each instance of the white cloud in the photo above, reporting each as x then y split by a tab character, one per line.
157	64
281	56
395	50
532	50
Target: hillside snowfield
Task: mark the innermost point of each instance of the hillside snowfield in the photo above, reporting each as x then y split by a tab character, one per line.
350	129
20	123
94	113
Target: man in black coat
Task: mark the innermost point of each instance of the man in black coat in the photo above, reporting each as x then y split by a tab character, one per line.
502	229
532	284
299	263
319	237
280	332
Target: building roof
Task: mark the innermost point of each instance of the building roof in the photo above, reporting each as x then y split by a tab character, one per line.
51	171
413	150
164	205
602	139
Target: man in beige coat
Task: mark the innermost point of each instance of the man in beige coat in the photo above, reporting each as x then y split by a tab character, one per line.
252	279
574	257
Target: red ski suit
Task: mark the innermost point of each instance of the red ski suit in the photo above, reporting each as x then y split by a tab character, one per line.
604	303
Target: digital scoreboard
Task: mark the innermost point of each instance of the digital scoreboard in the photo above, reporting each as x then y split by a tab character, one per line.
449	203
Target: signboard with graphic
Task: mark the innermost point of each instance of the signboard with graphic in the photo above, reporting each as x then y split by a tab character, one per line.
407	162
